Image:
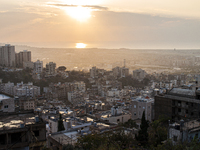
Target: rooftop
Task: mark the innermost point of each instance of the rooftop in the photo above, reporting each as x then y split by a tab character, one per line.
65	137
180	91
14	121
2	97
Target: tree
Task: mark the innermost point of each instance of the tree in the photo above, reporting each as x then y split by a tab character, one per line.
60	124
142	136
62	68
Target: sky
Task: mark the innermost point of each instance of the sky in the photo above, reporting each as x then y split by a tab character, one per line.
133	24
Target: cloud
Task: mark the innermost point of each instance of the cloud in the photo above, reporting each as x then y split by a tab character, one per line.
94	7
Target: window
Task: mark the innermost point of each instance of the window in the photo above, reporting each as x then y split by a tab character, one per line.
196	135
134	106
149	107
118	120
143	107
6	106
134	113
139	106
192	113
192	104
175	138
179	110
186	111
36	133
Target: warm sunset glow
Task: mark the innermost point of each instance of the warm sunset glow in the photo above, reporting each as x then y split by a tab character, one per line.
80	45
79	13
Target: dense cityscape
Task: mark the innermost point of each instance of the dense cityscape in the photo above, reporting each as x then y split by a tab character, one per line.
45	106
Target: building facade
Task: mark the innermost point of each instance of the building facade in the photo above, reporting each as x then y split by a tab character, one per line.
7	56
23	56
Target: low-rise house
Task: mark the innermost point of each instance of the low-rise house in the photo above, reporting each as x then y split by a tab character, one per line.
184	131
7	104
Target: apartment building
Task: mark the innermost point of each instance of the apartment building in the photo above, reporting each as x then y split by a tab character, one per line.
7	56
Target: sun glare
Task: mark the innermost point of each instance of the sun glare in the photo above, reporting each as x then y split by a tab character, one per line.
80	45
79	13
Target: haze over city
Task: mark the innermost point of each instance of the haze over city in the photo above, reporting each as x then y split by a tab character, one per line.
100	23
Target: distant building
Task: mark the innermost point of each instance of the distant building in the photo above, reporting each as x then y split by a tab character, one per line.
28	90
28	65
139	105
120	72
7	56
8	88
50	69
25	103
21	89
139	74
38	68
21	57
93	72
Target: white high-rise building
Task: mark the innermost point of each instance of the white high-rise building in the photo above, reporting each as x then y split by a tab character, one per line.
7	56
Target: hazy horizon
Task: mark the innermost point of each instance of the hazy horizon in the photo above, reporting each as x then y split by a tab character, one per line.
103	24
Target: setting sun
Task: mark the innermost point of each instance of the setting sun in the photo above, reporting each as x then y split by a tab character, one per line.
79	13
80	45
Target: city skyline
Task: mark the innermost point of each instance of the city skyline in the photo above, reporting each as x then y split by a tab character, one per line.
100	23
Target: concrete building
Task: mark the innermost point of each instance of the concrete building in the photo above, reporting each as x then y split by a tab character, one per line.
28	65
21	57
139	74
50	69
120	72
7	56
22	130
53	125
28	90
56	141
25	103
184	131
93	72
75	97
178	104
8	88
117	115
37	69
7	104
139	105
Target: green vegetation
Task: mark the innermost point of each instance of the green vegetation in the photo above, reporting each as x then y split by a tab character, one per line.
142	136
111	140
60	124
17	76
129	81
158	131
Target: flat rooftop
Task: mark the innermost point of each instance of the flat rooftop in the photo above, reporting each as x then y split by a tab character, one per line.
2	97
66	138
14	121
